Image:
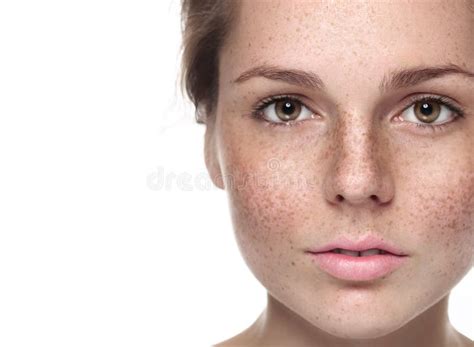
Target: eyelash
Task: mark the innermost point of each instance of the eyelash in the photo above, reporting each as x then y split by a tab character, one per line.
258	111
444	101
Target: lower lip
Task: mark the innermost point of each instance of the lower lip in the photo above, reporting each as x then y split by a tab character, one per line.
366	268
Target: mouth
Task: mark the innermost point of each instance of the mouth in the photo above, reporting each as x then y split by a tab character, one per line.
368	259
369	252
366	265
370	245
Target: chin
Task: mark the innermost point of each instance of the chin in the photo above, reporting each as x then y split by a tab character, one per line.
362	326
358	324
362	330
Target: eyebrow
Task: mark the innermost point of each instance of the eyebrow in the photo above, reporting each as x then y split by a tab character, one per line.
291	76
397	79
413	76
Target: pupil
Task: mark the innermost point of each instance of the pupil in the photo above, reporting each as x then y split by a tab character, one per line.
426	109
288	108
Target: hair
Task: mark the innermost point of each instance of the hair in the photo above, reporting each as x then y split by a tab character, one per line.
205	25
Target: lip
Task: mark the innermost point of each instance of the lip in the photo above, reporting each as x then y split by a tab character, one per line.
366	268
346	267
366	243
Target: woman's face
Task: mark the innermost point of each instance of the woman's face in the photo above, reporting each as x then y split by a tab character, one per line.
359	160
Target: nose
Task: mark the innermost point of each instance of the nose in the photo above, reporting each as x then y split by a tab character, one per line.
358	173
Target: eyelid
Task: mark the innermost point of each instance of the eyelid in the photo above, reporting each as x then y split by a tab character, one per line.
265	102
410	101
266	111
258	111
457	112
443	100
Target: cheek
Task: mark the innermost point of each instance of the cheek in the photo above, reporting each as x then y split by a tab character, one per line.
270	182
266	214
441	218
270	196
270	191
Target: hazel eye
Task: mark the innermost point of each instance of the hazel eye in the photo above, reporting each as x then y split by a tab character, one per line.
285	110
428	111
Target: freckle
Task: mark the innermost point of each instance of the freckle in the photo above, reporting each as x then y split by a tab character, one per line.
293	263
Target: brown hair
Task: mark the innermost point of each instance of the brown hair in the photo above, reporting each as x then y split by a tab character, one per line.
205	26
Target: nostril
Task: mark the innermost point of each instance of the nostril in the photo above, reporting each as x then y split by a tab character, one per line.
339	197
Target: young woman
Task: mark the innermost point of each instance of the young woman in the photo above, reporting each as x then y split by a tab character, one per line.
343	133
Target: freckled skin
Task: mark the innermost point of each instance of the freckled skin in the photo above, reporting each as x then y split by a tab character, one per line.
350	171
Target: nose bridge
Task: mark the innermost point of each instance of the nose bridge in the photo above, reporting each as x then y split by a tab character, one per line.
356	173
357	144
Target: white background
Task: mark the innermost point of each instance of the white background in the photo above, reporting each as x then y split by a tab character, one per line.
110	231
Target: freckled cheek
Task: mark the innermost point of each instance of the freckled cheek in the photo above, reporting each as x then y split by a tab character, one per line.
445	224
269	202
265	221
268	184
267	206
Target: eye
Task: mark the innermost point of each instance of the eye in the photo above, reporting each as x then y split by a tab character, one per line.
431	111
283	110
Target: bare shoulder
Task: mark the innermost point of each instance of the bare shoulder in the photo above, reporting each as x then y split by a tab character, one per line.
247	338
226	343
468	342
229	343
240	340
465	341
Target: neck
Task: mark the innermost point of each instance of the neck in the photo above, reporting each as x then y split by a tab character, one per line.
279	326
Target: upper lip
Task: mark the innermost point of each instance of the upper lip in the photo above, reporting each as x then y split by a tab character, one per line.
368	242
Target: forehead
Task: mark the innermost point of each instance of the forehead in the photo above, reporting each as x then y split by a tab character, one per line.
351	35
